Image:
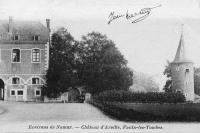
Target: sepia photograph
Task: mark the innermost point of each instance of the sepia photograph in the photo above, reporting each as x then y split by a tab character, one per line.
99	66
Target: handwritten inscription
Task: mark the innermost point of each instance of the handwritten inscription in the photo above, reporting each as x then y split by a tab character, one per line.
133	17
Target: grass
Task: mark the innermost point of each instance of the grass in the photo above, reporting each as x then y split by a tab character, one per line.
146	112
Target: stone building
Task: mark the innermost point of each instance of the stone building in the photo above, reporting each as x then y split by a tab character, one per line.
183	72
24	57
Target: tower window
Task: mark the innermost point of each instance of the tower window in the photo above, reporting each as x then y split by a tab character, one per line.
187	70
35	55
15	81
16	55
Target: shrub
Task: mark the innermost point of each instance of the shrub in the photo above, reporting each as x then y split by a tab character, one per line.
149	97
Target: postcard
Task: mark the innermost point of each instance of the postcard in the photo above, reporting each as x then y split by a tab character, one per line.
99	66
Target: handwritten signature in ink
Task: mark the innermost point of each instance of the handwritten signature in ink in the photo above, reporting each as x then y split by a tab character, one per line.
133	17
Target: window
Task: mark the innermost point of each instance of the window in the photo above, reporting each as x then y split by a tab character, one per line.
15	81
16	37
187	70
35	38
35	81
20	92
35	55
16	55
37	92
12	93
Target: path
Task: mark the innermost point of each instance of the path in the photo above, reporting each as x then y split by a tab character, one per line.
19	111
20	116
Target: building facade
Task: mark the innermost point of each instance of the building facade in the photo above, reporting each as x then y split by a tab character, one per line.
24	59
183	72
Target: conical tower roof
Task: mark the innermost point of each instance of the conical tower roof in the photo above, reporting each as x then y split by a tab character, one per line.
181	55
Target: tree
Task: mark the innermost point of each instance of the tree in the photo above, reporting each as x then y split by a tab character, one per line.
93	63
62	71
168	73
103	66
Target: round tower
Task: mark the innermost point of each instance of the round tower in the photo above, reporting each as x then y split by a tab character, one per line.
183	72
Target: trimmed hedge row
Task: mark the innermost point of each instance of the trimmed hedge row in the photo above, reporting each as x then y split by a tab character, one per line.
123	114
149	97
184	113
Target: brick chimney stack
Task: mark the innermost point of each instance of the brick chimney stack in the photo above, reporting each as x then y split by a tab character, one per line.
10	24
48	24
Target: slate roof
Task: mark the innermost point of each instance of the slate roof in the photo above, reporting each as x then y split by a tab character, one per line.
181	55
25	29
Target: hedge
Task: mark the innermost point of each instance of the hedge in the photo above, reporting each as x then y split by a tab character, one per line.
183	112
149	97
123	114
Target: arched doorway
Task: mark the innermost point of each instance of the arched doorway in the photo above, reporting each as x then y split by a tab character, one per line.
1	89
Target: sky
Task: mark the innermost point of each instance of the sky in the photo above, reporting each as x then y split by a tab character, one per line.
146	44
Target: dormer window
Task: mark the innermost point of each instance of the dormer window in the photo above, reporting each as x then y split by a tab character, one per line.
36	38
16	37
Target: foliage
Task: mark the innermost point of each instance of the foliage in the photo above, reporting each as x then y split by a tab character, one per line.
146	112
104	67
149	97
93	63
168	73
124	114
61	73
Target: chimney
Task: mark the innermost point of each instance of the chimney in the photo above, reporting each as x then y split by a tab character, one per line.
10	24
48	24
